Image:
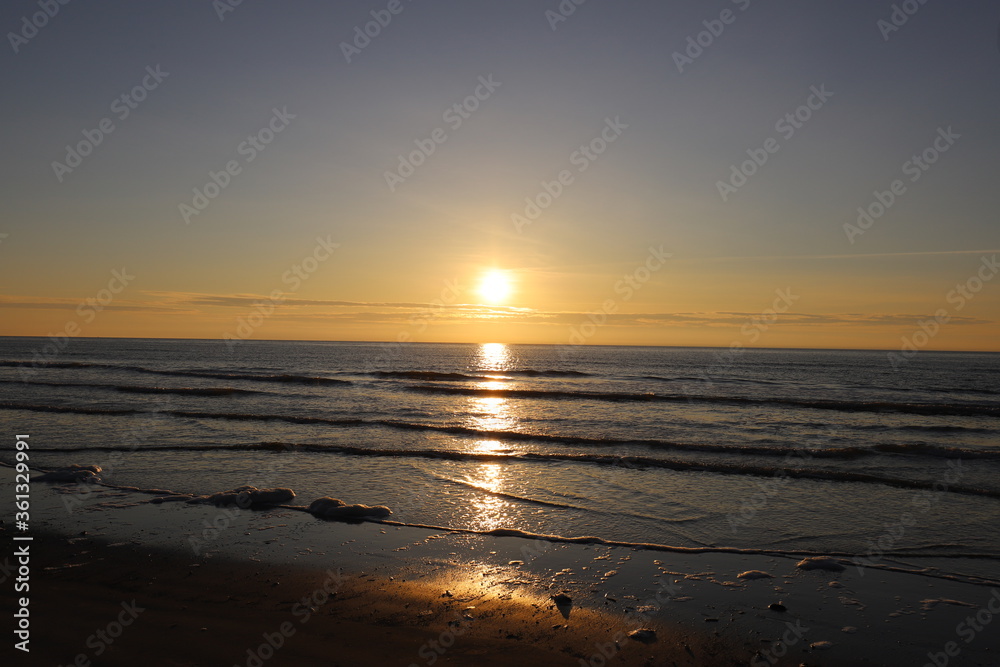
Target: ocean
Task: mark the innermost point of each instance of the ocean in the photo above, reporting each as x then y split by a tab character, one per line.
780	451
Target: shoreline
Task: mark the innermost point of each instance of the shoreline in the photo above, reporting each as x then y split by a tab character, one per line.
489	598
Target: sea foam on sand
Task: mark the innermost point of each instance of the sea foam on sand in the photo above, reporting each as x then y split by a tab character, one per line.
334	508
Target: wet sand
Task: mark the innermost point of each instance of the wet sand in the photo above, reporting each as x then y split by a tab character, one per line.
333	593
179	611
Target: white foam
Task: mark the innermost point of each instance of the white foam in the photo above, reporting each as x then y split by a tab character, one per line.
754	574
248	496
334	508
820	563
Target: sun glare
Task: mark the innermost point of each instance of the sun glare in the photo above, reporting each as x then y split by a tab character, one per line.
495	287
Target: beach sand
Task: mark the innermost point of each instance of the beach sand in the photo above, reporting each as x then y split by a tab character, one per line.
222	613
332	593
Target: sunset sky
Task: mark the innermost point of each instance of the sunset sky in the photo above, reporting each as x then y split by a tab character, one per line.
317	231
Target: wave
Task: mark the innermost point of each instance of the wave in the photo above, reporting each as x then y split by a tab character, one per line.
211	374
626	462
929	409
283	378
183	391
430	376
508	496
531	372
711	380
924	428
801	453
61	364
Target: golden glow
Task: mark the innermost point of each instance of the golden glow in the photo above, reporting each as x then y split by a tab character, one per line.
495	287
494	357
489	509
492	413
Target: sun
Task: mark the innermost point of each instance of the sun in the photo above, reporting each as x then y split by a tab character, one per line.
495	286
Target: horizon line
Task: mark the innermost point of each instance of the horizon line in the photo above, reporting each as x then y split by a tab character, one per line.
438	342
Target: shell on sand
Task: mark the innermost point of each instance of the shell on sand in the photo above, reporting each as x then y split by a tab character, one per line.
334	508
644	635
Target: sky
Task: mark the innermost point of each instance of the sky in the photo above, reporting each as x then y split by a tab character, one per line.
724	173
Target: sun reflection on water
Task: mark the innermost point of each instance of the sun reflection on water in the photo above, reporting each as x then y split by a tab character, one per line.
491	413
488	509
494	357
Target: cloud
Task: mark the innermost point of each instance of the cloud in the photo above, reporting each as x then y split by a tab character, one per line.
380	312
62	303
